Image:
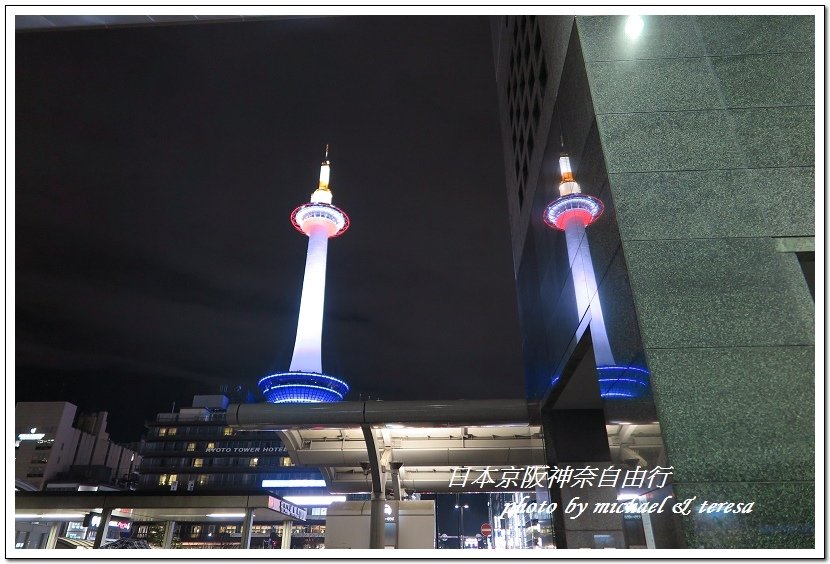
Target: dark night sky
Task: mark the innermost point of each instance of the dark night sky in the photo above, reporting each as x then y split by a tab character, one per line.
156	169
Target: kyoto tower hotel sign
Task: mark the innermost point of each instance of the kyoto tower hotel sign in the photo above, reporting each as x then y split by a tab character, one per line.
305	381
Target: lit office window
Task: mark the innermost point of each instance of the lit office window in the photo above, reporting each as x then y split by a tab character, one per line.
162	431
198	462
203	479
285	461
253	462
163	480
211	446
228	431
191	447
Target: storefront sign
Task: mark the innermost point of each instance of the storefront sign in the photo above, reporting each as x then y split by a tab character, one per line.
123	525
244	450
286	508
32	435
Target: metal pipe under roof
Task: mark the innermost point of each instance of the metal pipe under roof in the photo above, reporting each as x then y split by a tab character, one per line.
345	414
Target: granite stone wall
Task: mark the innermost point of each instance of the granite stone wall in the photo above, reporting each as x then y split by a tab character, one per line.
707	129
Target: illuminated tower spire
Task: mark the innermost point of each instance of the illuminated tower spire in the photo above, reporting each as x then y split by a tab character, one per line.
305	381
572	212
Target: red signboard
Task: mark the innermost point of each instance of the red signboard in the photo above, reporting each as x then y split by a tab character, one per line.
487	529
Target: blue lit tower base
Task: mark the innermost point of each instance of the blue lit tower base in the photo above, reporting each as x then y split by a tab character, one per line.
302	387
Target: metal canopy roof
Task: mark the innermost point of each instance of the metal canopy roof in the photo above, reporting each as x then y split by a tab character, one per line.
428	454
427	438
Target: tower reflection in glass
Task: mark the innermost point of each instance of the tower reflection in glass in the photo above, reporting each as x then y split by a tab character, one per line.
572	212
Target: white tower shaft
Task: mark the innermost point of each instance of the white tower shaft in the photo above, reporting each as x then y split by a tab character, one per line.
310	323
585	287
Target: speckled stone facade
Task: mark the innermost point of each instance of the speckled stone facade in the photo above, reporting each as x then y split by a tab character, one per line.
699	136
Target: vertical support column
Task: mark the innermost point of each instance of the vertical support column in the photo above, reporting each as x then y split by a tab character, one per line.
396	479
287	526
648	531
247	524
52	539
169	527
377	521
101	533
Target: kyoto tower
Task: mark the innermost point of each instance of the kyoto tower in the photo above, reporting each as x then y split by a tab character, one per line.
572	212
305	381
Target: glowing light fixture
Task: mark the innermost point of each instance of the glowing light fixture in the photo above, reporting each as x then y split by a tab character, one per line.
226	515
293	483
49	516
634	26
318	500
31	435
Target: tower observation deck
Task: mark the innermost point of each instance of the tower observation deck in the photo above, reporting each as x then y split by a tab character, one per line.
305	381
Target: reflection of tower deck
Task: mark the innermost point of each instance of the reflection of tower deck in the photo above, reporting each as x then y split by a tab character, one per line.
572	212
305	381
572	207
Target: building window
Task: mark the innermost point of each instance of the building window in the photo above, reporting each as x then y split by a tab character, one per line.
163	480
286	461
253	462
203	479
173	478
198	462
195	530
191	447
162	431
39	460
228	431
211	446
171	431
